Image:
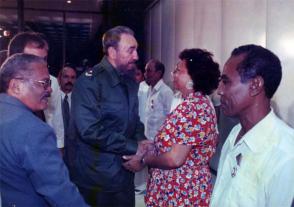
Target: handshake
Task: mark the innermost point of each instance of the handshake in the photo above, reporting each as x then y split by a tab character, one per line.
135	162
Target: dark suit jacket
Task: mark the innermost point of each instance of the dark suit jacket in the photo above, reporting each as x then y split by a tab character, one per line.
105	113
31	168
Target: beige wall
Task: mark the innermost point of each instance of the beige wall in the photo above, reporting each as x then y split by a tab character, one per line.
221	25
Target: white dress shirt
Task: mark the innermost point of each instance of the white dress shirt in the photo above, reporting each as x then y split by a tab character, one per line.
264	176
142	96
68	99
157	108
53	113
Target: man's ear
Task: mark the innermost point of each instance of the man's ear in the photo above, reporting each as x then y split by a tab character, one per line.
256	86
14	87
160	74
111	52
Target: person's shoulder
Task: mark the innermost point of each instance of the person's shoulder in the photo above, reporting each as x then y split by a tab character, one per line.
30	126
286	134
53	79
95	72
143	86
281	136
166	89
35	121
282	127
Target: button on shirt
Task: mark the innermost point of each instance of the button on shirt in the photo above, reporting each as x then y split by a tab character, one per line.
264	175
157	108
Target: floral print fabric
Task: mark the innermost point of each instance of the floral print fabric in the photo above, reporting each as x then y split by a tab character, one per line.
192	123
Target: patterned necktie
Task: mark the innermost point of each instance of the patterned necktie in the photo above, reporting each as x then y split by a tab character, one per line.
65	113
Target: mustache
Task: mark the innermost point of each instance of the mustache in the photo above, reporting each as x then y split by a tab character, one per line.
68	84
46	95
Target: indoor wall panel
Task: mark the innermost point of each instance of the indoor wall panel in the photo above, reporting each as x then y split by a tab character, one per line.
222	25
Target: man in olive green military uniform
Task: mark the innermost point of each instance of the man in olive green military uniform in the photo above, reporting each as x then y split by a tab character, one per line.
105	115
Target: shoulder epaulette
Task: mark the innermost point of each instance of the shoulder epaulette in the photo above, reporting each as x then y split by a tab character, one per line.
89	73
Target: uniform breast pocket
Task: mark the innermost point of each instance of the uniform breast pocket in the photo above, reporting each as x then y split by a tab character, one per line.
111	106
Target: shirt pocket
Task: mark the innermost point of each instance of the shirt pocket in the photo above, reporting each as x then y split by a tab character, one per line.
113	111
246	187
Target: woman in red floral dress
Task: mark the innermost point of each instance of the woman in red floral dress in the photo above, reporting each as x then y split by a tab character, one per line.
179	173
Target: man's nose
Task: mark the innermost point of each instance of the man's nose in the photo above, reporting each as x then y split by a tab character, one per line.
220	90
49	89
135	55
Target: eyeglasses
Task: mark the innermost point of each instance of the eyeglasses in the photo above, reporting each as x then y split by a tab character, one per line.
43	83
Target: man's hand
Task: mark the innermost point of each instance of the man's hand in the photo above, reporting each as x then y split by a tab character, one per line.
133	163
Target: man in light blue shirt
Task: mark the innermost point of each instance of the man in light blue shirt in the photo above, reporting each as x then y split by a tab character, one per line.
256	166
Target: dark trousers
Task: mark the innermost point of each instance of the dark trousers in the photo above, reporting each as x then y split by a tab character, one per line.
97	198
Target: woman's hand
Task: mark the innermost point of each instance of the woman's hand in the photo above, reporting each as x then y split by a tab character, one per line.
144	146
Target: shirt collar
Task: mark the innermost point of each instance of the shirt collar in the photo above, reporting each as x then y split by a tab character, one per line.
257	137
63	94
158	85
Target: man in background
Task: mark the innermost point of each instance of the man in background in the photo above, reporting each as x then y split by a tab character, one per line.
159	98
256	166
32	171
142	91
105	115
66	79
35	43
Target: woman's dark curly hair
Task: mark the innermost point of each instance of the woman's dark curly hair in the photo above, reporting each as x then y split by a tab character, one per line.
203	70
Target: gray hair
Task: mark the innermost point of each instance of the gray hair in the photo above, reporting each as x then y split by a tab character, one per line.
19	64
111	38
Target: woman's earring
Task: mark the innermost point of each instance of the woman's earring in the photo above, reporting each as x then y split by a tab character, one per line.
189	85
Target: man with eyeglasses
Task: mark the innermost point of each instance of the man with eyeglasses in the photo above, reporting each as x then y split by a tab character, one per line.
35	43
32	171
